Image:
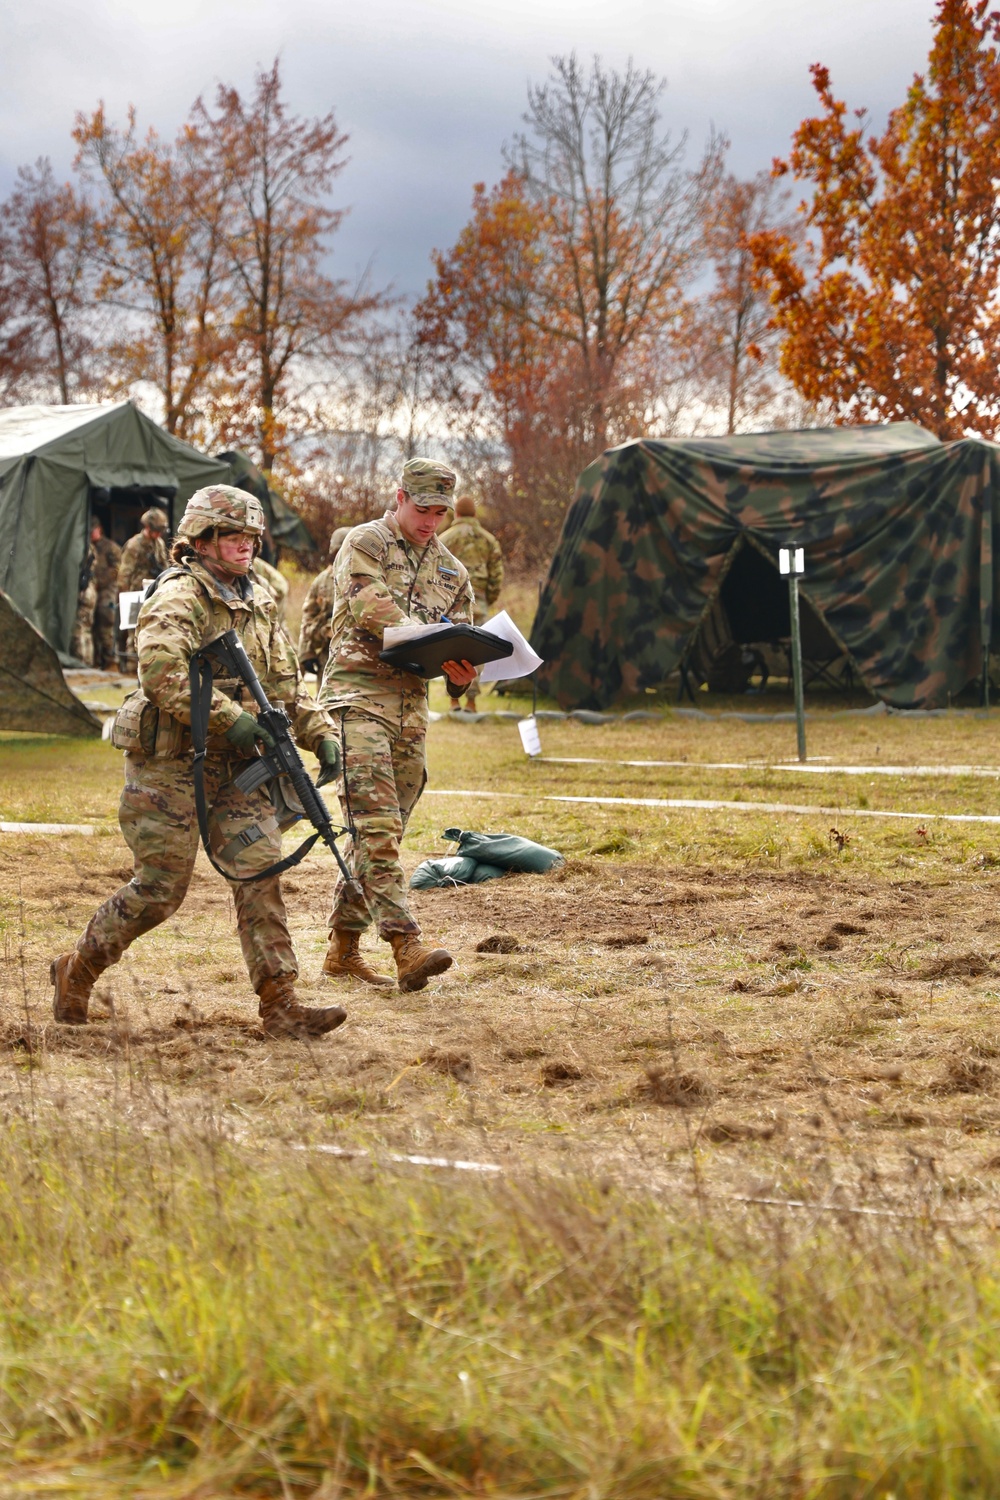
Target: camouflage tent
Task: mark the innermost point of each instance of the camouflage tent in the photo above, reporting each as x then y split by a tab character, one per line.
34	696
898	531
62	465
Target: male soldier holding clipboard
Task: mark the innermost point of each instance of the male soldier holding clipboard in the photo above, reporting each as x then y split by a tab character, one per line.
389	572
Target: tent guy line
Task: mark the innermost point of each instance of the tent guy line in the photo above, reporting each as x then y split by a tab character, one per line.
715	805
762	765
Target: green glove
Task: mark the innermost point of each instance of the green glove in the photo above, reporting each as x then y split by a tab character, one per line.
245	732
328	754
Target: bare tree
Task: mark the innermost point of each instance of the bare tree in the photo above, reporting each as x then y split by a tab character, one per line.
622	217
49	266
732	336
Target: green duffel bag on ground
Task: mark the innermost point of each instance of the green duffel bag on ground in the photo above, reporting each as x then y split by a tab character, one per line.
452	869
508	850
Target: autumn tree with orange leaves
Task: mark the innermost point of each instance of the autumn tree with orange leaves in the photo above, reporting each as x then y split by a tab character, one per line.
211	250
157	247
288	313
893	313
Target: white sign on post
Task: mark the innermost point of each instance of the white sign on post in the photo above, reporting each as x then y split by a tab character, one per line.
791	560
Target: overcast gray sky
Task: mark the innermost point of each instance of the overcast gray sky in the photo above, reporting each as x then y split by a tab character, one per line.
429	90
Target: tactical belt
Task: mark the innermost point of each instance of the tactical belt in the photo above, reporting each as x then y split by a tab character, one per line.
202	682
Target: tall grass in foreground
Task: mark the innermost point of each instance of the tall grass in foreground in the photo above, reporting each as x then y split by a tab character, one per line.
184	1317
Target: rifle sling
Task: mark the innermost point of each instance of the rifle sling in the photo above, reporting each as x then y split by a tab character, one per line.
200	679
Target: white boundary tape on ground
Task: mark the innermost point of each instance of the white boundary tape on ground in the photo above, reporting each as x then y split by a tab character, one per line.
809	767
680	804
84	828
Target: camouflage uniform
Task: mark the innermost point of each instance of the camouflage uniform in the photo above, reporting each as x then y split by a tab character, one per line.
480	551
189	608
107	558
275	583
382	580
142	557
314	631
82	644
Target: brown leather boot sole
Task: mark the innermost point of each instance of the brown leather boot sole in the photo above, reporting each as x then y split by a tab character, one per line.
435	963
67	1009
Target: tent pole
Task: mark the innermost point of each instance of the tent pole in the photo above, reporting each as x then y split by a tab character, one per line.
800	712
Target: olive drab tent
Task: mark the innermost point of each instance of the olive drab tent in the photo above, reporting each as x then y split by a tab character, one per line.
667	541
34	697
63	466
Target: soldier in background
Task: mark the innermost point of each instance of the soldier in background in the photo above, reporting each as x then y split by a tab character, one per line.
314	632
107	556
275	583
143	556
82	644
479	550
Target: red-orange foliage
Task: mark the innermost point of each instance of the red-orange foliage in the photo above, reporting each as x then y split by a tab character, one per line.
896	315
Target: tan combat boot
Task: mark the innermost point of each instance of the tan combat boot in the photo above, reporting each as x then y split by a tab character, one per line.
282	1016
415	964
74	979
345	959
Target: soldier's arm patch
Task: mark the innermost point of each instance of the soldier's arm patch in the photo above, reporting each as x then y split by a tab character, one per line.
368	546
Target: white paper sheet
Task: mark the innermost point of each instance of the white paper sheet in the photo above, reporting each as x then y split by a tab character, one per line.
523	660
128	608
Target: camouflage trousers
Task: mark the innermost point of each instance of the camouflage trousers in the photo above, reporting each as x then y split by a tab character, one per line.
104	628
158	818
383	776
82	644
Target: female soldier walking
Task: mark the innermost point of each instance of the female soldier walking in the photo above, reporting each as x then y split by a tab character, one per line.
206	593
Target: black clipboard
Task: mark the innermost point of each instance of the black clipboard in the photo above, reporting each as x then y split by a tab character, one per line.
425	656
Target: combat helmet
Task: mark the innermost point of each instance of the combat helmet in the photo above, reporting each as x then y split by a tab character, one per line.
337	540
155	518
221	506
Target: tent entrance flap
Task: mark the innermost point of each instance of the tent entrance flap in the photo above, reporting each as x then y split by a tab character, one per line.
118	497
746	630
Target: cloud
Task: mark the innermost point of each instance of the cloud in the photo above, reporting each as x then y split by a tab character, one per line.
429	90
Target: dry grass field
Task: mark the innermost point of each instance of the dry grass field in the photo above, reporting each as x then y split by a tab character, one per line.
726	1088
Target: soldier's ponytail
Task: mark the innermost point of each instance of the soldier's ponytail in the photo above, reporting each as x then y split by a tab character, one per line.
181	549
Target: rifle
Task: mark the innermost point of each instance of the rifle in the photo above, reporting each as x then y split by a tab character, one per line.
283	760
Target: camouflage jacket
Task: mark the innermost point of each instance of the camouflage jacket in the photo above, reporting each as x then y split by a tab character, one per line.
480	551
275	583
189	608
314	631
382	580
107	557
142	557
